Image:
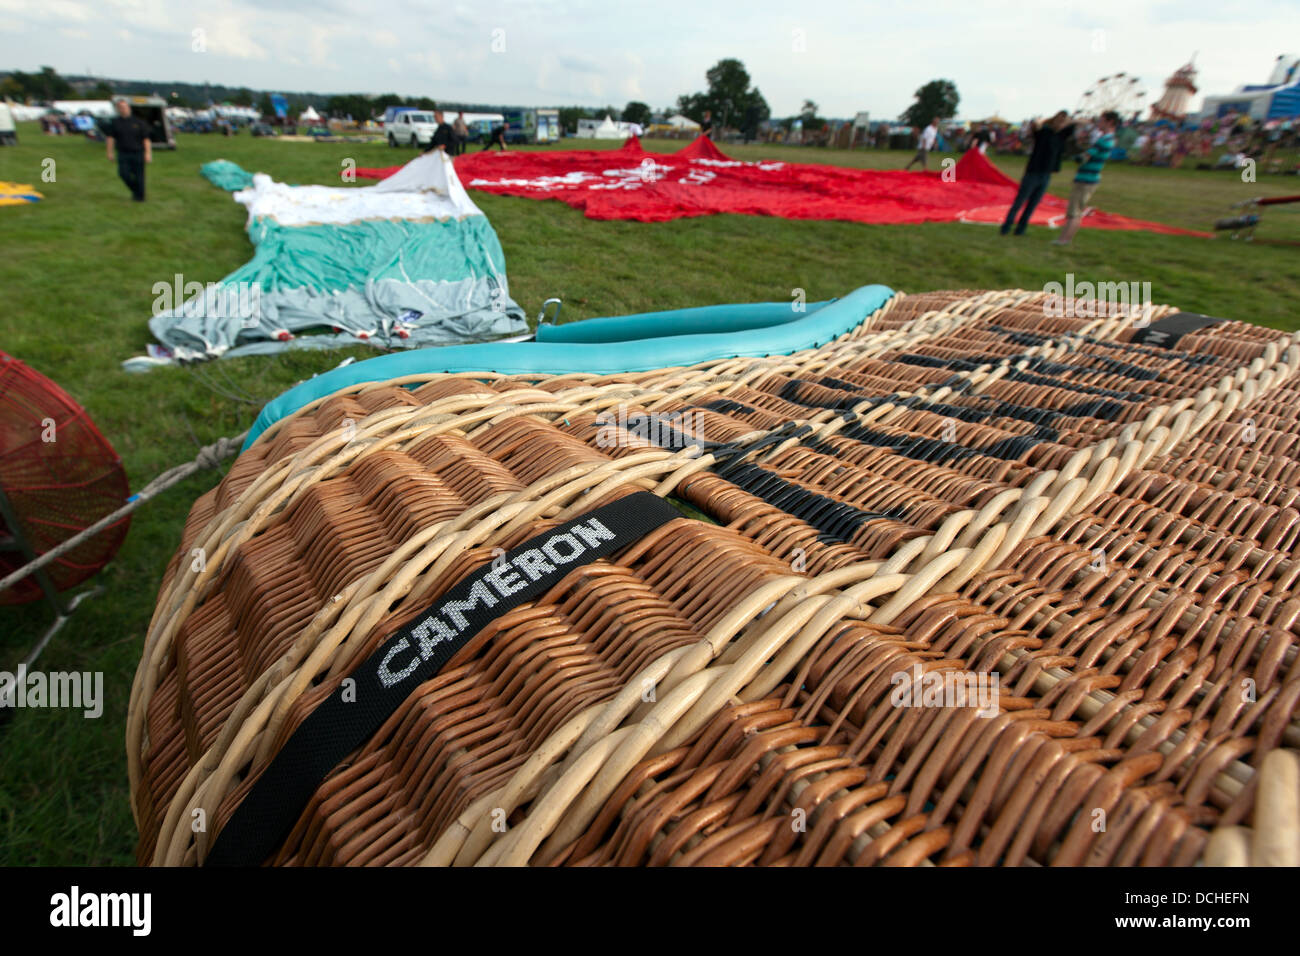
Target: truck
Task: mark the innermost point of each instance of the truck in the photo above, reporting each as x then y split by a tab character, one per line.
532	126
153	110
408	126
8	135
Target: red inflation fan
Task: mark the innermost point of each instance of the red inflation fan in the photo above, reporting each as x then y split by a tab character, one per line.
58	476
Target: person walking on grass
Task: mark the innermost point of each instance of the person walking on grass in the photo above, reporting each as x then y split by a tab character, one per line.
460	132
1088	176
1044	159
929	136
129	136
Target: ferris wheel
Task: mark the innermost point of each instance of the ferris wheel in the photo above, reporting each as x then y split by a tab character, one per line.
1119	92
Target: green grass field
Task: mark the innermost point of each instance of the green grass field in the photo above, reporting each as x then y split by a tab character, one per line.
77	273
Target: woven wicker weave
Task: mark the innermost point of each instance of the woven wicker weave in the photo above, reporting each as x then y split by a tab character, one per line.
977	493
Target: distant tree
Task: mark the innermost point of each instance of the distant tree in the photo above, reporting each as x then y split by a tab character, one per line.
808	116
53	86
636	112
938	99
569	116
356	105
385	100
692	105
11	89
100	91
46	85
264	105
242	97
422	103
729	96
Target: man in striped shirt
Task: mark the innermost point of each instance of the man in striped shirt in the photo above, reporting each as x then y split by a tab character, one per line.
1089	175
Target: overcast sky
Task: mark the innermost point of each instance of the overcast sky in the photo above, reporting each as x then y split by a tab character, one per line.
1017	58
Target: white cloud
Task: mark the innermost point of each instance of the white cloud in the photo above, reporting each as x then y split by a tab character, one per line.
1004	55
318	45
228	36
634	70
55	10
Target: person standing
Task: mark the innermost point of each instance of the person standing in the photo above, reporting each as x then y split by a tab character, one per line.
929	136
129	136
706	124
443	138
1044	159
460	132
1088	176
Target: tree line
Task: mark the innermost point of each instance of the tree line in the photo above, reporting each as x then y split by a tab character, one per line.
729	96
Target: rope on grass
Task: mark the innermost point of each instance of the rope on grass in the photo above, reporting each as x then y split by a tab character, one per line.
209	456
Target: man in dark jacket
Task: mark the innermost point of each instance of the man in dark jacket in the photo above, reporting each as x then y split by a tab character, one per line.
129	136
443	137
1044	159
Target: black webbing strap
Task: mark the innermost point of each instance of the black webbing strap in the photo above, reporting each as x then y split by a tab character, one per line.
352	714
1167	331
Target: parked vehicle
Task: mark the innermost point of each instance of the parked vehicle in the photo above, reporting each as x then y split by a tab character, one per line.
153	110
8	134
532	126
410	127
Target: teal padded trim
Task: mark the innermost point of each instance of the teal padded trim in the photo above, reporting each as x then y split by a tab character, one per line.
810	330
697	321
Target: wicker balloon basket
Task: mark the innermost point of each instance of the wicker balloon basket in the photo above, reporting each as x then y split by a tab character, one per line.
970	585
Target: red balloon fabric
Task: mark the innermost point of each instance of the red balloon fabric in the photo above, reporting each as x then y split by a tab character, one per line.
60	476
700	180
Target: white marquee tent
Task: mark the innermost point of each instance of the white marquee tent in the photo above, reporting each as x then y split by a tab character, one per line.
605	129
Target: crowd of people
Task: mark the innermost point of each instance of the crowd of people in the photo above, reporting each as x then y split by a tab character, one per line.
452	138
1237	138
1232	138
54	124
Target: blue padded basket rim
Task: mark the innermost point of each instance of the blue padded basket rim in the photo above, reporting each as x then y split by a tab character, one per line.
701	320
811	329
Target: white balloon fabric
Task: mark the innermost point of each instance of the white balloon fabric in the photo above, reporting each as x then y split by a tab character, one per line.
408	263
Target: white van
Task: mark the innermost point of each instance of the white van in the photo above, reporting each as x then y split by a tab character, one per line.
8	135
410	128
